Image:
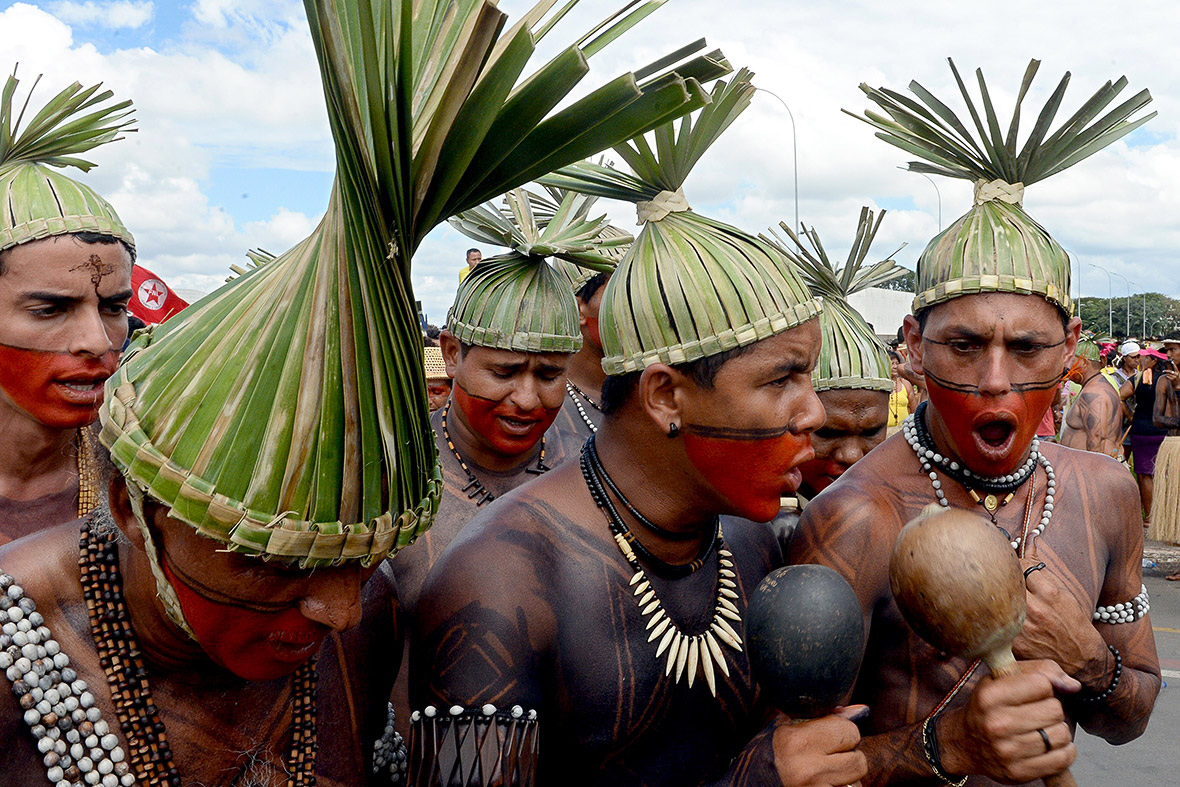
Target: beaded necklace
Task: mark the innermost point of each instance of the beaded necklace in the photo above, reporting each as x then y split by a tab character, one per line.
574	392
928	456
149	754
87	474
591	451
684	652
479	492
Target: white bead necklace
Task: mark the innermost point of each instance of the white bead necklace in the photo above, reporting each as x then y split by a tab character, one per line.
927	457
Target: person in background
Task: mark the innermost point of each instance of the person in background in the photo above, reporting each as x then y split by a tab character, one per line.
438	382
1145	436
1094	420
474	258
581	414
854	374
1165	511
65	282
903	398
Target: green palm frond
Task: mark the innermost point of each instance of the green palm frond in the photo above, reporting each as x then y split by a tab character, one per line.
930	129
285	414
61	129
851	356
822	274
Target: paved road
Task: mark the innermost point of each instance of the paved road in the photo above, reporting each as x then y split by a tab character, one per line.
1153	759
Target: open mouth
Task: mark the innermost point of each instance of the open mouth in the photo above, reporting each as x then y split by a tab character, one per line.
81	391
517	426
996	433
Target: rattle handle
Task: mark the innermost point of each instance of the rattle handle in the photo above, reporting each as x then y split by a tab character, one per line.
1002	665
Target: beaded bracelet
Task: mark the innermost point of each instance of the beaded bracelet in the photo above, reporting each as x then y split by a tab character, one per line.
1114	681
1126	612
930	747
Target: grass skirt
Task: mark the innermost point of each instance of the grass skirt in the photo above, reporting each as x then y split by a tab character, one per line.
1165	506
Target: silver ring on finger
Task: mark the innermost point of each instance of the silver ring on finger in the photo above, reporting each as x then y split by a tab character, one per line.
1045	737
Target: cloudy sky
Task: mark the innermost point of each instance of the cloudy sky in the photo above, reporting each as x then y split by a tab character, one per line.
234	152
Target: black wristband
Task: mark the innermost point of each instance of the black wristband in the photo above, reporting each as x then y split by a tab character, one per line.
1114	680
933	756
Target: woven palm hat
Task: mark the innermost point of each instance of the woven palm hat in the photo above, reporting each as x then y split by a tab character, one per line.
690	286
37	199
851	356
1089	350
519	301
996	246
436	368
285	414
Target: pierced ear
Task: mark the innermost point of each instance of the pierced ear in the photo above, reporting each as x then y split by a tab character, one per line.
661	392
585	313
452	351
121	512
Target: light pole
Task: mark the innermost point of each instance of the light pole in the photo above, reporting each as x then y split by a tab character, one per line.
1144	310
936	191
1109	296
1128	326
794	150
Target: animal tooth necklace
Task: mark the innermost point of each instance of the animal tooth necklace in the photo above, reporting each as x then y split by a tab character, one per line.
685	652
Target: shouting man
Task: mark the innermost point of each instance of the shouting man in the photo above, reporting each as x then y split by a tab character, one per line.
992	333
588	627
65	280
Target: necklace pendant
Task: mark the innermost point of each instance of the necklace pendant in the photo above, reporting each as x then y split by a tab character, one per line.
991	503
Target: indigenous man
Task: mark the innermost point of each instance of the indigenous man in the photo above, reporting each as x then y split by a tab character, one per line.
581	413
438	384
271	448
991	333
1094	421
854	375
585	651
65	280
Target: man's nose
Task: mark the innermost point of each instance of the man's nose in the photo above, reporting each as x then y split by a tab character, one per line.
335	598
88	335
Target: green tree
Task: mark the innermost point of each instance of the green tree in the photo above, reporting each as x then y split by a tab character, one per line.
1163	315
903	283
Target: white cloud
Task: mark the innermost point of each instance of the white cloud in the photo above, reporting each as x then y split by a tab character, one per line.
239	88
112	15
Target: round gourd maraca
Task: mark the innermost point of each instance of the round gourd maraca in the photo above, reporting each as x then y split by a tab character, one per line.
805	636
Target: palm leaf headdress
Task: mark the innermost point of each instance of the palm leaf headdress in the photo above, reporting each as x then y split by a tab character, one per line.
851	355
518	300
285	414
37	200
691	286
996	246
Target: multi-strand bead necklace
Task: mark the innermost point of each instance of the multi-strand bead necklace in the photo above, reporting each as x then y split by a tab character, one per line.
475	489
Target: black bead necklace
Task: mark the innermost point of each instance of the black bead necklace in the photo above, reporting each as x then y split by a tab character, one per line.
591	451
475	488
595	475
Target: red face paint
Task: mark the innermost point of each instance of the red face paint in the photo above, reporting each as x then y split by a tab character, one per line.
592	335
58	389
252	644
819	474
990	434
507	429
749	468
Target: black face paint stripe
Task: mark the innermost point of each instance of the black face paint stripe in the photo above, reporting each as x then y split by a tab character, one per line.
1042	385
475	396
209	594
948	344
731	433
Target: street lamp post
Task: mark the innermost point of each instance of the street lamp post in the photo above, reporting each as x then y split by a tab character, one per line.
1109	297
1127	329
1144	311
794	150
936	191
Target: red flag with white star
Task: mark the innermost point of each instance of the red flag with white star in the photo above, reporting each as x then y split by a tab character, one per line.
151	299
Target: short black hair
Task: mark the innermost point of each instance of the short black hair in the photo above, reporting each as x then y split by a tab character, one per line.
468	254
85	237
617	389
587	290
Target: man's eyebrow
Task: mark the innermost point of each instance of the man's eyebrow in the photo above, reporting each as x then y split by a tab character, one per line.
791	365
50	297
125	295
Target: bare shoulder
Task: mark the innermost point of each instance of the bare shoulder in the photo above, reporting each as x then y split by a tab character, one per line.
1091	473
43	561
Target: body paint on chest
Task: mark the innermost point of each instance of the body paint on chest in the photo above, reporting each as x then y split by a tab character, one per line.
751	468
254	644
507	429
58	389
